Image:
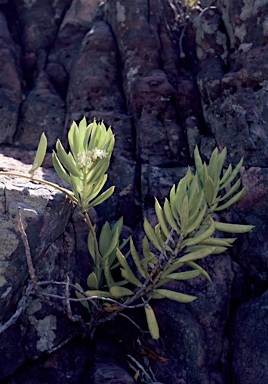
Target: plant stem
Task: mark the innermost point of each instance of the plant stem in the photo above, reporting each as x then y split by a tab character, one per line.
98	256
55	186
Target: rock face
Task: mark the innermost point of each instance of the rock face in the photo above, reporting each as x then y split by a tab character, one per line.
164	82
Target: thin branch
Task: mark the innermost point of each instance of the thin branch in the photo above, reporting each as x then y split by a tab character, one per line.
28	253
20	308
64	342
67	298
140	367
92	298
53	185
133	322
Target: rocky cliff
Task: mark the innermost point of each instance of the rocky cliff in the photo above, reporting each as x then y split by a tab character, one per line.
165	81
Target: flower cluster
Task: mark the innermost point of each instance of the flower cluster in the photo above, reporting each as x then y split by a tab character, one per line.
85	158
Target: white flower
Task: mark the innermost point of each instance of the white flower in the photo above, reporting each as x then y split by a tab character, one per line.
84	158
98	154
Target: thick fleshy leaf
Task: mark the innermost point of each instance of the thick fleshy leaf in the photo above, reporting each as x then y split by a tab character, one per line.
118	292
101	198
209	190
152	322
233	228
150	233
196	255
40	154
184	275
60	170
92	281
161	218
66	161
105	238
176	296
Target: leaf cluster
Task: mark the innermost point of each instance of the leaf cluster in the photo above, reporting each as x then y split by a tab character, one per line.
79	169
186	229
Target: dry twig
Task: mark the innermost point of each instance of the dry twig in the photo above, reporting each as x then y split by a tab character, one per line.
20	308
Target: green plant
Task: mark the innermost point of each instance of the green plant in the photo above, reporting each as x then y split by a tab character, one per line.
186	229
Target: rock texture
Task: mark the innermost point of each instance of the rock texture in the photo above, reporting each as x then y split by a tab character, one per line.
164	82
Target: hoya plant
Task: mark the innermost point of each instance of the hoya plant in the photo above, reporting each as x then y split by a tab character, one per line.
186	229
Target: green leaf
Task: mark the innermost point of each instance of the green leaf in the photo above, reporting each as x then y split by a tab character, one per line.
40	154
161	237
232	201
199	254
152	322
226	175
72	139
118	292
60	170
162	281
126	271
232	190
176	265
136	258
184	275
199	247
193	195
181	194
118	226
97	187
213	166
130	277
107	273
184	214
215	242
198	164
173	203
81	134
203	236
169	216
101	198
194	224
197	267
105	238
233	174
92	281
233	228
176	296
112	245
66	160
151	234
189	177
91	246
161	218
146	248
209	191
221	160
88	134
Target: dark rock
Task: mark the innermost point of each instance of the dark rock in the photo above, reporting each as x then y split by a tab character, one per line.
250	326
108	367
42	111
93	80
39	22
10	83
73	28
